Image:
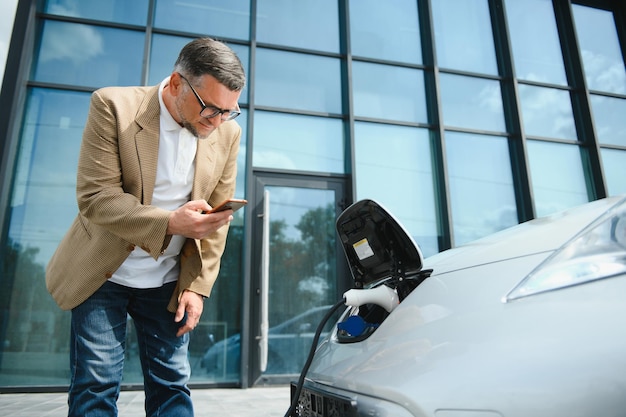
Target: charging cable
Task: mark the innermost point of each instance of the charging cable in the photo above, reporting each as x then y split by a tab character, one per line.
318	332
382	295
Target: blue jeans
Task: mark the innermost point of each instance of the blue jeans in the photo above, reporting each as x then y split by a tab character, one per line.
98	340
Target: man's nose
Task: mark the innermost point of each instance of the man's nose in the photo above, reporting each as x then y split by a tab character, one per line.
216	121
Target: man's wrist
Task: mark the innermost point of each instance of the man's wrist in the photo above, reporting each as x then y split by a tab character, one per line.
204	297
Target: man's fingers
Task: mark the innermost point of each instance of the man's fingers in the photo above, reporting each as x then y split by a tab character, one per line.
189	325
180	313
182	330
189	307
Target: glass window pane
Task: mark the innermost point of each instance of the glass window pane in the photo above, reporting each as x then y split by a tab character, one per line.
383	171
397	94
298	81
119	11
386	30
302	278
214	345
481	185
535	41
44	188
610	123
463	36
302	143
89	56
164	52
309	24
472	103
547	112
52	133
600	48
614	164
558	181
206	17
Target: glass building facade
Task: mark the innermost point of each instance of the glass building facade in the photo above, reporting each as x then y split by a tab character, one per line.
462	117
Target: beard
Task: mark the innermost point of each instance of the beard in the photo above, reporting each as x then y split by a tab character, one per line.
187	124
192	129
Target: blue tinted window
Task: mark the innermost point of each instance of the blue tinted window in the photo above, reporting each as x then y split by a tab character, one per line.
133	12
614	163
309	24
547	112
90	56
600	49
393	167
558	181
387	30
397	94
481	185
207	17
46	169
472	103
165	50
463	36
535	41
297	81
302	143
610	121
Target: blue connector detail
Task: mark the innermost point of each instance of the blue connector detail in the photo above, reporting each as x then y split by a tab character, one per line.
355	326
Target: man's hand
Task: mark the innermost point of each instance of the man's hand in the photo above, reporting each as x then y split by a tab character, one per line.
190	220
191	303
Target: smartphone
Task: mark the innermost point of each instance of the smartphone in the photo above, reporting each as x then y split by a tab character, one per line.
233	204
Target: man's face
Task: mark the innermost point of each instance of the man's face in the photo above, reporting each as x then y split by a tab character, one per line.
210	93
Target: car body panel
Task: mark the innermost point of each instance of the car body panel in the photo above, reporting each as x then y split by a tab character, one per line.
453	347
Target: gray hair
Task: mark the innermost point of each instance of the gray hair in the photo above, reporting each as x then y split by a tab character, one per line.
204	56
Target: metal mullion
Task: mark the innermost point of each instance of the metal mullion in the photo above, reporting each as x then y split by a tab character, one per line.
348	107
580	99
145	73
248	297
441	183
512	113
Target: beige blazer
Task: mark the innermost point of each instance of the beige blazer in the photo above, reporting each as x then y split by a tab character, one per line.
116	176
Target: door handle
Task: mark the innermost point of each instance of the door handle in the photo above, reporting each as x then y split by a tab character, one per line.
265	280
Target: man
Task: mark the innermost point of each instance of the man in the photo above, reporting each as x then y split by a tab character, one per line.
153	161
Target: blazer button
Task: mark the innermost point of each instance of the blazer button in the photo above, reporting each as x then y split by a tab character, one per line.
108	275
130	247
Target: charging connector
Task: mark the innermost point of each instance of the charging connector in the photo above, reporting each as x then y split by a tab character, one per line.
382	295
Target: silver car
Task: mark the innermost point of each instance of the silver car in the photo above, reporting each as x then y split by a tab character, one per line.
530	321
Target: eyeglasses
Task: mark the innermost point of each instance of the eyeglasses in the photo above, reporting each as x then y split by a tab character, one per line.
209	112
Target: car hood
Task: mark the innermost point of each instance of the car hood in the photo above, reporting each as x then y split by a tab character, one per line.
541	235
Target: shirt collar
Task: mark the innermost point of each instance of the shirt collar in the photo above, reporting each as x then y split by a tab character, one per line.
167	121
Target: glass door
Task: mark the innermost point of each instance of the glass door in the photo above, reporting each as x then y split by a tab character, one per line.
297	274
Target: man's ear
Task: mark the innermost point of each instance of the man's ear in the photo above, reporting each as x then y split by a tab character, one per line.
176	84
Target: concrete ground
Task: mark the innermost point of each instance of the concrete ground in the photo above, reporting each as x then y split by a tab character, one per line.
231	402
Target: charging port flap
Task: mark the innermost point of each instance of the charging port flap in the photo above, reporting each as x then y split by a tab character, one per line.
386	265
376	245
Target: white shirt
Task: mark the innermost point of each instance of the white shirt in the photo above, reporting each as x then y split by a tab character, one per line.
172	189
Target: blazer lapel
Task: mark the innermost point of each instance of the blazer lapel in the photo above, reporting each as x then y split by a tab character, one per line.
205	164
147	142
